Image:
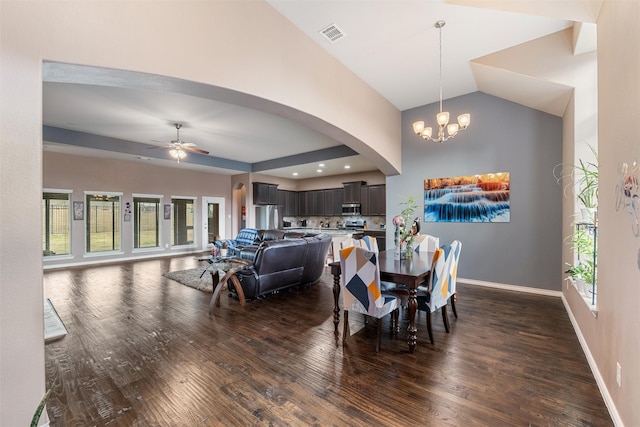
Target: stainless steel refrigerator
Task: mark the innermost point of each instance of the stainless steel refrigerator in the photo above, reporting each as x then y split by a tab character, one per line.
268	217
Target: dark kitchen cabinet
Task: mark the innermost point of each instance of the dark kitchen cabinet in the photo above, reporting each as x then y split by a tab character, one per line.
333	202
364	200
265	194
307	203
352	191
288	203
377	200
292	203
338	195
318	202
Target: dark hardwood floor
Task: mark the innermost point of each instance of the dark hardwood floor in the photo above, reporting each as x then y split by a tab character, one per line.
142	350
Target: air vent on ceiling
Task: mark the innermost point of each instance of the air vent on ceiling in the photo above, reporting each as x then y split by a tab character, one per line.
332	33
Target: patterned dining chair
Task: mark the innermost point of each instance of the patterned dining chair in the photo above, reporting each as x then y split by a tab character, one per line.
452	268
427	243
435	295
350	241
360	281
371	243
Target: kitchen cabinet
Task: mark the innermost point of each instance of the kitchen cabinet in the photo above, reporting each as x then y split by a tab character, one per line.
265	194
364	200
333	202
352	191
288	203
310	203
318	202
376	200
373	200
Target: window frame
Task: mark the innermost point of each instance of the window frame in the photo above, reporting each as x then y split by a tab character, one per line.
159	220
87	223
69	193
175	218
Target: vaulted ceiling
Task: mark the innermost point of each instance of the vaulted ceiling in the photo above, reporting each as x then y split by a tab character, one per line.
522	51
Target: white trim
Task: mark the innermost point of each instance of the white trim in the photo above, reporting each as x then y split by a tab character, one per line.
608	401
120	259
160	220
526	289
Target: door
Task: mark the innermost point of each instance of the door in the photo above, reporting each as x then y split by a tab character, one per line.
212	220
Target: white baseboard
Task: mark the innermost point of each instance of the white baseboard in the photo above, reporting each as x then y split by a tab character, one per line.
608	401
508	287
150	255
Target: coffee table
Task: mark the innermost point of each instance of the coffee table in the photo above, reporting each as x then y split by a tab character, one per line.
228	268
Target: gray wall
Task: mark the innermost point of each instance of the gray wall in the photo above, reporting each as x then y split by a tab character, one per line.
502	137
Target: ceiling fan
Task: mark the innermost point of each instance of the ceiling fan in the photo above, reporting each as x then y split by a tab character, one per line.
178	148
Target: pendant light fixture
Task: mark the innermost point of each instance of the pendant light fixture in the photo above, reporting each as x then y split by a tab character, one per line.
442	118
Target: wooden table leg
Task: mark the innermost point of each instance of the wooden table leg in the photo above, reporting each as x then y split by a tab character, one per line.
238	286
336	295
215	299
412	331
217	286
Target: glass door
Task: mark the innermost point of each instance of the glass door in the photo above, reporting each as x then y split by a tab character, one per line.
212	220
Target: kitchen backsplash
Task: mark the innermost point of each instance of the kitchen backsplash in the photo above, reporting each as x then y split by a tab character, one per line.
373	222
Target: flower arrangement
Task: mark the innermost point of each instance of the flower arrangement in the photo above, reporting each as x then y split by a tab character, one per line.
406	230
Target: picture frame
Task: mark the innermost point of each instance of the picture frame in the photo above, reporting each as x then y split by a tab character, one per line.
78	210
167	211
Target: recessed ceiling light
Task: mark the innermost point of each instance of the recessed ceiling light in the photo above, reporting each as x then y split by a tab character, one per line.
319	170
321	165
347	166
295	174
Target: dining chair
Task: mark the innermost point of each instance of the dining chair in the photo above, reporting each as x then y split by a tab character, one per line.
371	243
361	293
350	241
435	295
427	243
453	258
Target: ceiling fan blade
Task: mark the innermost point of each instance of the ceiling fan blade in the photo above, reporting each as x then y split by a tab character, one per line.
195	149
161	146
189	144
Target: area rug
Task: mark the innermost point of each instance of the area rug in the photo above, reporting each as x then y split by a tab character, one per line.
54	329
191	278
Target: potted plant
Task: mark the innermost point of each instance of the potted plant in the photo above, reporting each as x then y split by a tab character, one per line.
583	272
406	230
224	246
583	177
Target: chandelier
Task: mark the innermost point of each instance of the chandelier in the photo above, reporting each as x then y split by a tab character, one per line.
442	118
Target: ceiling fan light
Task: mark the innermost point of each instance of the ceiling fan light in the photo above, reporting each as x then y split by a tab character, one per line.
442	118
464	120
418	127
182	154
173	153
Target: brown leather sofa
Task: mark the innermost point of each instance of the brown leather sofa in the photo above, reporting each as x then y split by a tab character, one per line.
282	260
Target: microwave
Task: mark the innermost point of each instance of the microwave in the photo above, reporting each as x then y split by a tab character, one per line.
351	209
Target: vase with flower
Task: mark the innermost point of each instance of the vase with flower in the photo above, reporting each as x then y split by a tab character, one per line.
405	229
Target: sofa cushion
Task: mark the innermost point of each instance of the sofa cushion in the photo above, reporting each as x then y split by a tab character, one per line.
266	235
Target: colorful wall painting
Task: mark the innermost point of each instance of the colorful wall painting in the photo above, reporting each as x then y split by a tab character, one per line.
473	198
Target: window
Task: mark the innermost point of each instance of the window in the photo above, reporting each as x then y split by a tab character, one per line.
146	222
56	229
182	222
103	222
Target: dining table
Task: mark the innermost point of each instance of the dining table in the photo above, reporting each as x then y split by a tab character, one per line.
410	272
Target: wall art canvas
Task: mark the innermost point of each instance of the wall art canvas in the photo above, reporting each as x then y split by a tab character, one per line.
472	198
